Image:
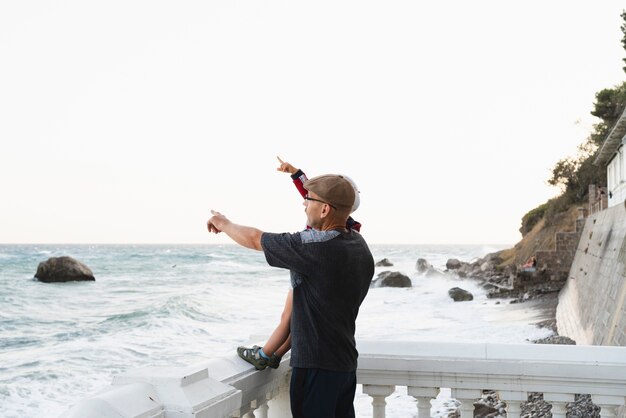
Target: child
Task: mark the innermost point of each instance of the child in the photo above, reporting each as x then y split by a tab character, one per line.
280	341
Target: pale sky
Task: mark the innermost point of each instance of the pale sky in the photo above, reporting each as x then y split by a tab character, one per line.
127	121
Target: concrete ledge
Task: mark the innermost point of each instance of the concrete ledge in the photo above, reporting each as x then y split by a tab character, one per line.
187	390
137	400
220	387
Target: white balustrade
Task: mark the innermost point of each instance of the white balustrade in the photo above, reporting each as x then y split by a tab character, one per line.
559	403
467	397
608	405
228	387
513	402
378	394
261	411
423	397
512	370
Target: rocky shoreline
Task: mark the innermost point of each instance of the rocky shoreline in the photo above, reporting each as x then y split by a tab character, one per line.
508	281
523	286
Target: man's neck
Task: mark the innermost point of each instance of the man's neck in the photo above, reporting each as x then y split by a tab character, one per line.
334	225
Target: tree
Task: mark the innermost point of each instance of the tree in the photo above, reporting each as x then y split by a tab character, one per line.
574	174
609	106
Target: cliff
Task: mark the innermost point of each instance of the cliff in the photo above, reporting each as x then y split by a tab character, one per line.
552	240
542	237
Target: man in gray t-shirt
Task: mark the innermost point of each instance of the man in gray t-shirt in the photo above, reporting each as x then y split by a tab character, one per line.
331	269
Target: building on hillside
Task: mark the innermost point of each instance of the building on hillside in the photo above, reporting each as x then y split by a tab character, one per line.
612	155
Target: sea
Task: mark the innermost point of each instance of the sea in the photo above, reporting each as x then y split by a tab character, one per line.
176	305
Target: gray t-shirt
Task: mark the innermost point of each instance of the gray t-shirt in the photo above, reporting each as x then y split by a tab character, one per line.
331	273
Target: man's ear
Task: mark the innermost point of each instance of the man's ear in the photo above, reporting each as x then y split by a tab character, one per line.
325	211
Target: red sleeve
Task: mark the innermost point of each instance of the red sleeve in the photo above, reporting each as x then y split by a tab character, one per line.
298	180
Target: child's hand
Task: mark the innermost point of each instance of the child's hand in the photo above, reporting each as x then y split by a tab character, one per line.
286	167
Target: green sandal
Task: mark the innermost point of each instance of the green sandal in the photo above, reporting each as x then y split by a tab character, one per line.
274	361
253	356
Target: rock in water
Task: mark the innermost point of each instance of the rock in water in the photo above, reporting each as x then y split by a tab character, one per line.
453	264
391	279
422	265
460	295
63	269
384	263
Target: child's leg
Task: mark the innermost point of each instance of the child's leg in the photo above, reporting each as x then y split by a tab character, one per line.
284	348
282	333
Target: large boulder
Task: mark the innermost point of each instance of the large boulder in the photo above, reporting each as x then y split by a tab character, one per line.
63	269
460	295
391	279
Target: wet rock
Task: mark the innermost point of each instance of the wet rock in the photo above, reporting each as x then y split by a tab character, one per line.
453	264
482	410
550	324
536	407
384	263
422	266
582	407
556	339
391	279
63	269
460	295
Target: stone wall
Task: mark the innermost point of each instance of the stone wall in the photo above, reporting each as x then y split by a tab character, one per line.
553	266
559	261
592	305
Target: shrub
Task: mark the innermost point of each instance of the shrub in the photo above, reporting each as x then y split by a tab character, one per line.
530	219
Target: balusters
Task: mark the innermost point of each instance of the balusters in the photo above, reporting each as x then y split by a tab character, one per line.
467	397
279	403
608	411
257	409
513	402
608	404
559	403
261	411
378	394
423	397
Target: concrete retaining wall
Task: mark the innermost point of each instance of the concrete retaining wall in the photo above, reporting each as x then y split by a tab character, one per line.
592	305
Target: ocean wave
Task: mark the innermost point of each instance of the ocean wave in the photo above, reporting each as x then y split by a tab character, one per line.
68	336
177	307
182	307
128	316
29	364
19	342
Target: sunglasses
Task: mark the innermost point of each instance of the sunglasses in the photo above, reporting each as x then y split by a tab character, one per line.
317	200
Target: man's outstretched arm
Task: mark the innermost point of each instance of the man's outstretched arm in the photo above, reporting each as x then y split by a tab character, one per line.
246	236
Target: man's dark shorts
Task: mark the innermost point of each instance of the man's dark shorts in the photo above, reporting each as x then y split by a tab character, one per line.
318	393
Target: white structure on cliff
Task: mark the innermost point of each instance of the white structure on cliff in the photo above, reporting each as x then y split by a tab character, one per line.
612	155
